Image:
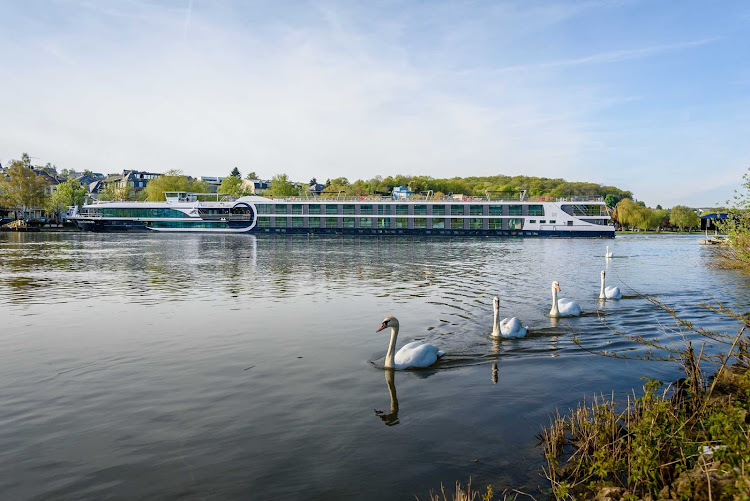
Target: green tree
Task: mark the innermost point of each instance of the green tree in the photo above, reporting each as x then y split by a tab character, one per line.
172	180
112	192
234	186
68	194
282	187
236	173
251	176
23	188
683	217
611	199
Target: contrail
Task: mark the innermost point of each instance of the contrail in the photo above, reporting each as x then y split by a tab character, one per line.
188	14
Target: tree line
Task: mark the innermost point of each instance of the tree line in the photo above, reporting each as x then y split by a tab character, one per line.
630	214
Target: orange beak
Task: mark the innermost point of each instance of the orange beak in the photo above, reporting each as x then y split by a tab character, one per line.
381	327
557	286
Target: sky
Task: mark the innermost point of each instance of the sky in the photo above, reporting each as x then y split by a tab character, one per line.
651	97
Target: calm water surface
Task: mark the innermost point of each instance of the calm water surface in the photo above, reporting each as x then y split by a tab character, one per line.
235	367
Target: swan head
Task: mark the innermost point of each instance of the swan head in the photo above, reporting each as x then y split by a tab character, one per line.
388	322
603	274
496	302
556	285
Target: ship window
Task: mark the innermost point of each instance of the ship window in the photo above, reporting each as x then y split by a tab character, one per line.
298	222
542	221
264	221
552	221
438	223
348	209
514	210
281	222
438	210
457	224
475	210
496	210
475	223
365	209
384	209
313	209
515	224
570	223
332	209
280	208
384	222
264	209
457	210
532	221
420	222
536	210
402	222
496	224
332	222
296	209
349	222
314	222
402	210
420	210
365	222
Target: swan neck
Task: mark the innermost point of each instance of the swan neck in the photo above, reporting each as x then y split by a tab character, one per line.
389	356
495	316
601	292
554	312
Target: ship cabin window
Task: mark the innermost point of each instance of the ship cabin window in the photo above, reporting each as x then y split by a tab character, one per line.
438	223
583	210
532	221
281	222
349	221
475	210
552	221
365	209
296	209
402	222
365	222
420	222
515	224
457	224
536	210
314	222
332	222
420	210
496	210
348	209
438	210
264	208
496	224
280	208
313	209
298	222
457	210
542	221
475	223
384	222
514	210
264	222
332	209
384	209
402	210
570	223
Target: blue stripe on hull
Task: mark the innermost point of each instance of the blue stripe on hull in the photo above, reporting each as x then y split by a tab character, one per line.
440	232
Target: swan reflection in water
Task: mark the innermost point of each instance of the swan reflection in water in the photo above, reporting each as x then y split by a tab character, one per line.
390	419
494	372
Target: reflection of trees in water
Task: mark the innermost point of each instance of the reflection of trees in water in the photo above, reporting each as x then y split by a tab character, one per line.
390	418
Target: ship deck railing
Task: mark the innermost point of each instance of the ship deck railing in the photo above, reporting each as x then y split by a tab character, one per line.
440	200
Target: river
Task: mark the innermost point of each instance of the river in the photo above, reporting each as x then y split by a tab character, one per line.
168	366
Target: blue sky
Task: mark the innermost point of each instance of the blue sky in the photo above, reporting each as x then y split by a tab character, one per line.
649	96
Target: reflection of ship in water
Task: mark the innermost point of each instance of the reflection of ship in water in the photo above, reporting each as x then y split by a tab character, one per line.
391	418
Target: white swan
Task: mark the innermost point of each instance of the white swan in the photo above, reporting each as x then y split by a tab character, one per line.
608	254
563	307
609	292
507	327
416	354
